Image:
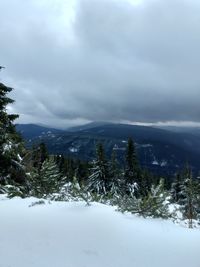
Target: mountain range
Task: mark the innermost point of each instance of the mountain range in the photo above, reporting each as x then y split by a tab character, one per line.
163	151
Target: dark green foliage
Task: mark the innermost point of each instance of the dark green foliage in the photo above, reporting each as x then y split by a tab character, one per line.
146	182
60	161
39	155
176	190
68	168
81	172
116	175
71	168
132	175
11	147
14	190
189	197
45	181
99	179
132	170
154	204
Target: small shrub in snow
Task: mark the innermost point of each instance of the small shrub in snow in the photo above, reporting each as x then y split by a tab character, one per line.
14	191
154	205
46	181
40	202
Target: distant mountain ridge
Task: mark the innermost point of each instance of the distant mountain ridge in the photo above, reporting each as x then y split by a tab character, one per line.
32	131
88	126
159	150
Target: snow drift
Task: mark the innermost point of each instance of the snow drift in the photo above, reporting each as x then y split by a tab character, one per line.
71	234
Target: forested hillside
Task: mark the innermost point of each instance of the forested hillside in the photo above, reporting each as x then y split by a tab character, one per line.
163	152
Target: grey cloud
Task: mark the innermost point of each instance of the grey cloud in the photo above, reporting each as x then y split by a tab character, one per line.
124	62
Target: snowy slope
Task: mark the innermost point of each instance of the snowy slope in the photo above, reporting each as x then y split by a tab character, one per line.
64	234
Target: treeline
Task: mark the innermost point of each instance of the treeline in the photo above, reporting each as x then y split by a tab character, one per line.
36	173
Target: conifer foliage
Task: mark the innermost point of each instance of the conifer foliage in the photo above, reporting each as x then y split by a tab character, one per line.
11	148
131	163
46	180
99	180
132	170
189	197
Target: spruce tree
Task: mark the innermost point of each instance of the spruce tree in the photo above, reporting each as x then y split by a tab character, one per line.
132	169
99	180
81	172
115	174
60	161
69	169
47	180
39	155
146	182
190	200
176	189
155	204
11	147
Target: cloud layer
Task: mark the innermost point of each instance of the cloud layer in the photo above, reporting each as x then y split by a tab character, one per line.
85	60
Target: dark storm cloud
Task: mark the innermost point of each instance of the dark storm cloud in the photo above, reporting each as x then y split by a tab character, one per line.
117	61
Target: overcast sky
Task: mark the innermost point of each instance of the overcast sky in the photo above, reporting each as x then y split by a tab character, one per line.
73	61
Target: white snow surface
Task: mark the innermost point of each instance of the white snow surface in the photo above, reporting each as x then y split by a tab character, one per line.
155	162
73	149
71	234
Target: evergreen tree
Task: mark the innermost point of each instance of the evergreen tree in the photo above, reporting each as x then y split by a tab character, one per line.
115	169
189	201
132	170
47	180
146	182
39	155
69	169
154	204
60	161
11	147
176	189
99	180
115	174
81	172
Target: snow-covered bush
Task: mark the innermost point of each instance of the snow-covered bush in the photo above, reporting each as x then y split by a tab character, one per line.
155	204
45	181
13	191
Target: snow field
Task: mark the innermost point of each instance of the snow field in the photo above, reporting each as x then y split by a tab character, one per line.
71	234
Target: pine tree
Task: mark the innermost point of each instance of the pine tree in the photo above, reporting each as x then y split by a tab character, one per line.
132	170
81	172
60	161
176	189
99	180
69	169
190	191
155	204
146	182
115	174
11	147
39	155
47	180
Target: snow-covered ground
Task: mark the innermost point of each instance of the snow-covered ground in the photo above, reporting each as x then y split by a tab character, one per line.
63	234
